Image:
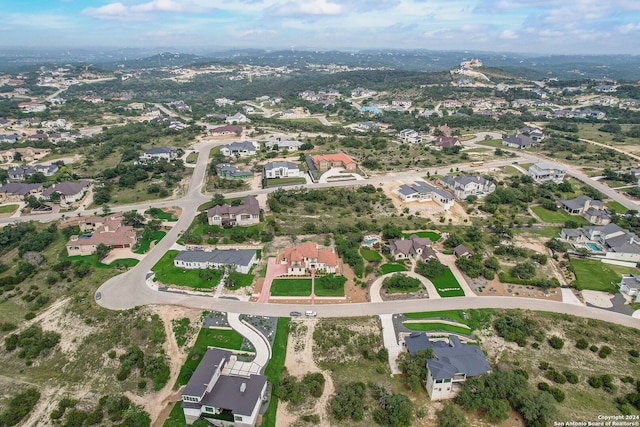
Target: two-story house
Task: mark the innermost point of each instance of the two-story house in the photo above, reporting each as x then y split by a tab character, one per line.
273	170
220	396
308	256
413	247
239	149
247	213
545	171
464	186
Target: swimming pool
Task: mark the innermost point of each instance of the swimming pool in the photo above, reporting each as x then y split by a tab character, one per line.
593	246
369	242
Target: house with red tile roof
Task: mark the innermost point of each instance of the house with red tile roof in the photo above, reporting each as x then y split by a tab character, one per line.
324	162
308	256
109	230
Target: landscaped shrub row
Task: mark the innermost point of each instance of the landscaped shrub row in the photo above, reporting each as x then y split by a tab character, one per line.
541	283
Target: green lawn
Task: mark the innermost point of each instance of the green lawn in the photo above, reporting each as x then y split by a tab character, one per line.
274	369
444	314
192	158
291	287
224	338
370	255
558	217
241	280
322	291
145	244
598	276
92	260
8	209
282	181
617	207
176	417
491	142
167	273
160	214
432	235
438	327
447	285
392	268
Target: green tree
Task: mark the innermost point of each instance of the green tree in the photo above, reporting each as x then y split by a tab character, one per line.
133	218
451	416
431	268
102	251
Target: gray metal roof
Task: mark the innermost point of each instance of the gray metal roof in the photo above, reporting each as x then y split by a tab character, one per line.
200	378
632	281
577	203
241	257
160	150
416	342
458	358
277	165
19	188
226	393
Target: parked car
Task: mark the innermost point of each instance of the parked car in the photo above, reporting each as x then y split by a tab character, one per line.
295	314
310	313
98	296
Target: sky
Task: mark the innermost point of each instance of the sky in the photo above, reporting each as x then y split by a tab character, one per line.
521	26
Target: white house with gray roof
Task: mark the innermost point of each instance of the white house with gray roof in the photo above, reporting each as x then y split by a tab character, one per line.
519	141
630	285
69	191
593	211
616	242
220	396
464	186
420	191
241	260
239	149
158	153
546	171
453	362
289	145
281	170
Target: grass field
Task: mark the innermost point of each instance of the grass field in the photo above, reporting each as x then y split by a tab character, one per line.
432	235
241	280
437	327
392	268
444	314
370	255
160	214
224	338
557	217
285	181
274	369
192	158
447	285
145	244
617	207
491	143
291	287
598	276
176	417
167	273
8	209
322	291
92	260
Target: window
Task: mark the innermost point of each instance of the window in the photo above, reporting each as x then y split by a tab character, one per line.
237	418
208	409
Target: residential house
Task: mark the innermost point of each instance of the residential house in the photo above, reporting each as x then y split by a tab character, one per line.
246	213
239	149
420	191
573	235
20	173
520	141
221	102
451	103
308	256
545	171
360	92
69	192
28	154
237	118
592	210
109	230
630	285
413	247
370	109
446	142
53	124
604	88
464	186
616	242
217	393
227	171
533	133
159	153
17	191
410	135
324	162
10	138
453	362
248	109
241	260
38	137
373	126
227	130
289	145
461	251
32	106
281	170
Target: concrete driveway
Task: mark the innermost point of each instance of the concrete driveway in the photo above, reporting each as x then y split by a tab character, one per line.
258	341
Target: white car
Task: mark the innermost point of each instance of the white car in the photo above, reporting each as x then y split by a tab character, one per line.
310	313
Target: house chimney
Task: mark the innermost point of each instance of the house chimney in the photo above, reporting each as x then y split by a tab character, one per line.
243	387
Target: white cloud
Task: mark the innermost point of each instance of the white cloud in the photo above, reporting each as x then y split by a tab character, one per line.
628	28
508	35
142	11
313	7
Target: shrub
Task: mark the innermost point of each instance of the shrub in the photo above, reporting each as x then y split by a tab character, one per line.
556	342
572	377
634	353
19	406
604	352
142	384
595	382
29	316
593	348
556	376
557	394
582	343
312	418
542	386
543	365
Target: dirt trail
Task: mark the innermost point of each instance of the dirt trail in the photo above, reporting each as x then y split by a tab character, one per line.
299	361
